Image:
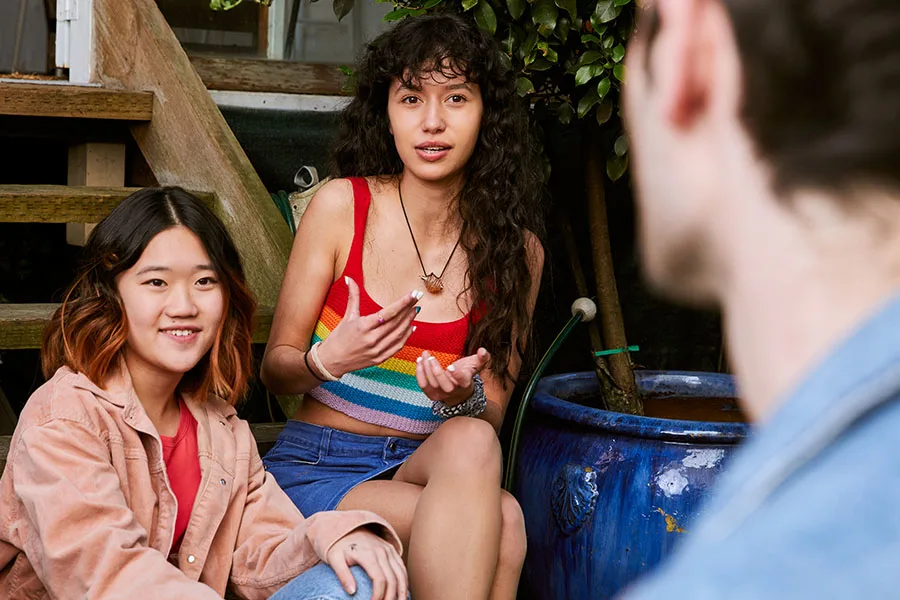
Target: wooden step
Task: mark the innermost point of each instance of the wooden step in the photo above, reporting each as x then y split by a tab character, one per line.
22	325
75	102
64	204
265	433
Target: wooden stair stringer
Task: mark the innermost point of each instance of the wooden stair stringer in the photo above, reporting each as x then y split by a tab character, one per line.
188	142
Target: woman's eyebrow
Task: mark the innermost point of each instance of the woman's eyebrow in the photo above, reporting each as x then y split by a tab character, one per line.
153	269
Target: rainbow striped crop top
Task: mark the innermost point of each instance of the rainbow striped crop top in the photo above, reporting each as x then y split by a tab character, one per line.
385	394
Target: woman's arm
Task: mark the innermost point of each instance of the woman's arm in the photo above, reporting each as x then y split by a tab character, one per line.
275	543
88	542
319	253
320	249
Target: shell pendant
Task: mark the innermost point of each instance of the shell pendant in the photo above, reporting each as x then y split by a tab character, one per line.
433	283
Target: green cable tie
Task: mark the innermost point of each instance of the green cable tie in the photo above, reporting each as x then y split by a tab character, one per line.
617	351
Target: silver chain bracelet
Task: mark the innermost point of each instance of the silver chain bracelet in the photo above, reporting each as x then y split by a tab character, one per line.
472	407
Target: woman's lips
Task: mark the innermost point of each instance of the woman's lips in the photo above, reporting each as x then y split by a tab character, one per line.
432	153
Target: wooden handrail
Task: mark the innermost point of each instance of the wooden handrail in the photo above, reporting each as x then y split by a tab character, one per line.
188	142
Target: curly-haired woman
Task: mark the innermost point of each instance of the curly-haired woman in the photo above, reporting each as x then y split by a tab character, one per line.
407	304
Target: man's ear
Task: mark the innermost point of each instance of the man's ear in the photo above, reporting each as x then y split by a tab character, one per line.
679	58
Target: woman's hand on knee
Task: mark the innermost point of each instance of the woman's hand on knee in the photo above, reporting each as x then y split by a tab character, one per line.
377	557
453	384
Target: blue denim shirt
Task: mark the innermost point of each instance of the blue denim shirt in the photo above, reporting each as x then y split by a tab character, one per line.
810	507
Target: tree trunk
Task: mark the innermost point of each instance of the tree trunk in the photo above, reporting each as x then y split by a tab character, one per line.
624	397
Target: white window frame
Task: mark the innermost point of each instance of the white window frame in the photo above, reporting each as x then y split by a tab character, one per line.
75	38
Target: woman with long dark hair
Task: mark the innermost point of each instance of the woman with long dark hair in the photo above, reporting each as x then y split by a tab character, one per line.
406	308
129	473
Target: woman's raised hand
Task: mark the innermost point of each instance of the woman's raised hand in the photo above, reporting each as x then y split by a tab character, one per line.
379	559
453	384
363	341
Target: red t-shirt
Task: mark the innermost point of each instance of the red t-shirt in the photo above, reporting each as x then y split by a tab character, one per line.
183	468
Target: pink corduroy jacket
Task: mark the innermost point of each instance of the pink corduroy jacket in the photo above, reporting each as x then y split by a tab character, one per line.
86	510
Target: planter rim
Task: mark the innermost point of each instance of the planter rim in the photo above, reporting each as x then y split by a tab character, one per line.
677	430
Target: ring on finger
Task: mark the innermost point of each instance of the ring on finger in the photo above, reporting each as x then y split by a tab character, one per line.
380	318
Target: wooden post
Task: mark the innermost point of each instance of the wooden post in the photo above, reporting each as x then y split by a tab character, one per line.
93	165
609	312
188	142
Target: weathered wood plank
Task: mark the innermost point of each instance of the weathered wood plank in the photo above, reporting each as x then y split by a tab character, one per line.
265	434
41	100
253	75
188	142
22	325
65	204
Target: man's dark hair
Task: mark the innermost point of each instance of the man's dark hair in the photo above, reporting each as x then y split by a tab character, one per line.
821	98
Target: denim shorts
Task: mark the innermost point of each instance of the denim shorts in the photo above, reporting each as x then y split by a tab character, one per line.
316	466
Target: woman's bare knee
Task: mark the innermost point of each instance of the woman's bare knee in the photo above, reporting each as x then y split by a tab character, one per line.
513	542
470	445
462	448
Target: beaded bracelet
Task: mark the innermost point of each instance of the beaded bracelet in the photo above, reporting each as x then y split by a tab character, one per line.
472	407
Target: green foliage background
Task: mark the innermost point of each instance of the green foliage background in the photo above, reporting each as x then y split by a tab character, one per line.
568	54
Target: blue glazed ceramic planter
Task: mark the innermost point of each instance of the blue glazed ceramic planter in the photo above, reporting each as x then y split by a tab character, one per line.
607	495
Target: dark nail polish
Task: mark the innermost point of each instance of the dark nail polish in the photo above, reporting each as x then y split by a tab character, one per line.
418	309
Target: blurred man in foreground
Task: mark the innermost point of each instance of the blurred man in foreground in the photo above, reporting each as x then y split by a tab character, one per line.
766	152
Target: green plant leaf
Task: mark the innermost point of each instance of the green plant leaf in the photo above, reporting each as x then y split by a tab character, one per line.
396	14
223	4
587	72
619	72
621	145
589	57
622	2
540	64
528	45
431	4
604	111
547	52
608	42
544	14
469	4
569	6
565	113
590	37
516	8
342	8
563	25
603	87
524	86
587	102
607	10
616	167
485	17
348	71
618	53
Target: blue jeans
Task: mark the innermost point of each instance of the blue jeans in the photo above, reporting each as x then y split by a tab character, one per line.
316	466
320	583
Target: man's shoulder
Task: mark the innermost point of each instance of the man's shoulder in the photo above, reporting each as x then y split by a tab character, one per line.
827	530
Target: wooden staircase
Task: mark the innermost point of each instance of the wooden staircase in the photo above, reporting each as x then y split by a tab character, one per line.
149	92
22	325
